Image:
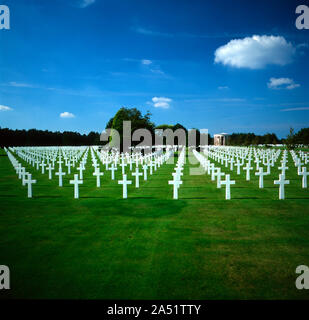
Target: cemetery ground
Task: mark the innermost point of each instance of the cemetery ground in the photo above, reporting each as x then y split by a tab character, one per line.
150	246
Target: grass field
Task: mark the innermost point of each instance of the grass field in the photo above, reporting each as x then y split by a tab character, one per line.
150	246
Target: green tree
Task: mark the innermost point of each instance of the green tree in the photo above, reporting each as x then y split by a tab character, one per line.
291	140
302	136
138	121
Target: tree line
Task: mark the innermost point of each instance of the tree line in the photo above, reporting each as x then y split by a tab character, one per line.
34	137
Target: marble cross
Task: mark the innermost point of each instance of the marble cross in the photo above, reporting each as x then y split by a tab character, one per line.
219	174
228	184
247	169
145	167
305	174
137	174
283	168
76	182
98	174
43	165
113	168
81	169
29	182
125	184
60	173
261	175
281	182
123	165
176	184
49	169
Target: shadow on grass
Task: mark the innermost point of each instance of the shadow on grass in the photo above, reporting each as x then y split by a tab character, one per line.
47	196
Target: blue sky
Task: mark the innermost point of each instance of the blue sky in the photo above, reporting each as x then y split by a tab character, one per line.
227	66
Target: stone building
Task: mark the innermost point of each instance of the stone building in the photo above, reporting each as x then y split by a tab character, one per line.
220	139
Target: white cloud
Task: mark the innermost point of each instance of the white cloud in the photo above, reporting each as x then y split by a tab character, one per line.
282	83
255	52
293	86
5	108
85	3
223	88
161	102
67	115
296	109
146	62
20	85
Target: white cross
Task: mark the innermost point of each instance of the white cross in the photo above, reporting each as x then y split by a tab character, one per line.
113	168
261	175
283	168
176	184
282	182
213	171
60	162
238	165
268	164
69	165
145	167
98	174
151	165
76	182
49	169
219	174
176	175
130	164
228	184
21	172
124	183
299	164
106	165
60	174
248	168
137	174
155	164
43	165
232	162
305	174
29	182
81	169
123	165
23	178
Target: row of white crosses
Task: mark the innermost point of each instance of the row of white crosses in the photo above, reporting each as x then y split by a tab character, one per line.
158	160
260	157
215	172
114	159
45	158
26	177
36	156
299	161
176	182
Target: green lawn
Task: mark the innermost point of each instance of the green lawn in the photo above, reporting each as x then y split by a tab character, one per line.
150	246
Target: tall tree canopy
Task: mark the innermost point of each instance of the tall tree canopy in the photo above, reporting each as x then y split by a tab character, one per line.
138	121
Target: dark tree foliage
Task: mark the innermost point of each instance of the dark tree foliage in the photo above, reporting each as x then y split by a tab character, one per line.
165	126
35	137
246	139
302	136
138	121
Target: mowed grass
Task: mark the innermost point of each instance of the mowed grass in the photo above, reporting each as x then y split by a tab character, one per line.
150	246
